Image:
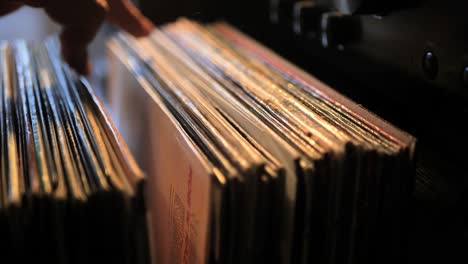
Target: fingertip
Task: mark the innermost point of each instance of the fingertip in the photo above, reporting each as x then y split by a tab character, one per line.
80	66
125	15
146	27
76	56
83	68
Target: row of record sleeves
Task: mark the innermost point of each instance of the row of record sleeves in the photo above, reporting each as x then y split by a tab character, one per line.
70	191
252	160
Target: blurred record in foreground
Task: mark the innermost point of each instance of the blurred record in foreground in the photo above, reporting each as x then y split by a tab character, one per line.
250	159
70	192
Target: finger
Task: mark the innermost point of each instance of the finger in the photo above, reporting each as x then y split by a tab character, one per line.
8	7
80	24
125	15
75	54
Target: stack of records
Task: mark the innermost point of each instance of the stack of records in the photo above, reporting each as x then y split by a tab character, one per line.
251	160
70	192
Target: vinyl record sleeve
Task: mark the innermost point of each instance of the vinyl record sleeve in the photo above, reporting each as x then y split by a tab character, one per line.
341	101
180	229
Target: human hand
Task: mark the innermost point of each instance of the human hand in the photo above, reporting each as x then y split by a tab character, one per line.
81	19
